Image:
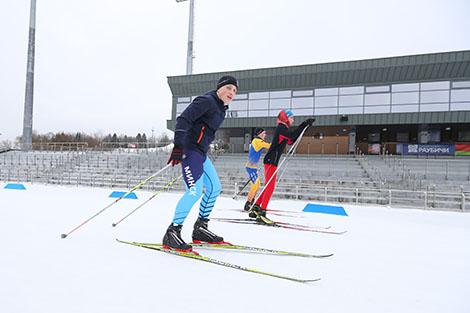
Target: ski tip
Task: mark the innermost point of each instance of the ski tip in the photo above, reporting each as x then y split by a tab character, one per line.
63	236
113	224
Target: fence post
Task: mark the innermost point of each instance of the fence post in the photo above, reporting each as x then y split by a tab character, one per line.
425	200
390	197
297	192
326	192
235	190
463	201
357	195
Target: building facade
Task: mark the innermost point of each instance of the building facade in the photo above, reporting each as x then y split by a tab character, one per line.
388	105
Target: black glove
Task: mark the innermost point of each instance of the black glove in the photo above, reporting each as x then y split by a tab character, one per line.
176	156
309	121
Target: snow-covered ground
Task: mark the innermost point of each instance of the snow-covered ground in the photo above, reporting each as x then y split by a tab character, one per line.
390	260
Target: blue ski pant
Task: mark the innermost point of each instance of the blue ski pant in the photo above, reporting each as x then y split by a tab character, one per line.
198	173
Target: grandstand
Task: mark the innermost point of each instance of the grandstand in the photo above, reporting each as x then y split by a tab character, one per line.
431	183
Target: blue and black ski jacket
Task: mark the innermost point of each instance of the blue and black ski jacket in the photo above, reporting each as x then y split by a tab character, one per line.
196	126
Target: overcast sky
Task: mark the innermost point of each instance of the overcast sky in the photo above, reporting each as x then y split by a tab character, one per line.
102	65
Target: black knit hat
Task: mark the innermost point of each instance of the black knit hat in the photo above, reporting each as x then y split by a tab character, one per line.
258	131
227	80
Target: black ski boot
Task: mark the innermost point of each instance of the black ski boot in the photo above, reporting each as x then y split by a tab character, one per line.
173	240
248	205
255	211
202	234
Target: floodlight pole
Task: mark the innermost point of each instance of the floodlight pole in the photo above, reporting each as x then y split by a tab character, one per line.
190	54
27	138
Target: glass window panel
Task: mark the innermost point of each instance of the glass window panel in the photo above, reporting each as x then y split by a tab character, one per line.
377	109
351	110
302	93
258	104
378	89
435	107
326	92
238	105
435	85
181	106
351	100
241	96
280	94
258	113
461	84
259	95
184	99
302	102
404	108
303	112
461	106
273	112
351	90
460	95
325	111
321	102
405	97
405	87
377	99
434	96
279	104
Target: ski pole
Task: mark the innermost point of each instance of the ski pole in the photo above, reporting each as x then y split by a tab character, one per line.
246	184
115	201
166	187
289	153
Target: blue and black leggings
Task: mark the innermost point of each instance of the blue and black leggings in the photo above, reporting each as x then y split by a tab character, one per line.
198	172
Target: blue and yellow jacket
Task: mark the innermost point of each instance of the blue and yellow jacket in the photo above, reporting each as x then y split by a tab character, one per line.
257	147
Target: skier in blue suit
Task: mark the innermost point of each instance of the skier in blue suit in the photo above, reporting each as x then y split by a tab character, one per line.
194	132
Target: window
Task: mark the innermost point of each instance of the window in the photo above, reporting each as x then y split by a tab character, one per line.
279	104
460	106
373	89
259	95
435	107
405	87
405	97
302	93
351	90
435	85
434	96
404	108
181	106
377	99
258	104
460	95
326	92
241	96
461	84
184	99
235	114
350	100
321	102
238	105
280	94
302	102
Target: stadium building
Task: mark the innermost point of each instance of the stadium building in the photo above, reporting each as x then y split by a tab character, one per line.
417	104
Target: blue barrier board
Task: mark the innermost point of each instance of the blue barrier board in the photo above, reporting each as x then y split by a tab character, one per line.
15	186
327	209
117	194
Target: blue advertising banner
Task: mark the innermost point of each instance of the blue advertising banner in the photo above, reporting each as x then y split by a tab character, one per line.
428	149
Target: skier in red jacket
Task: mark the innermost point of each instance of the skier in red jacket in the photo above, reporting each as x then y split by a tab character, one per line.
283	135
